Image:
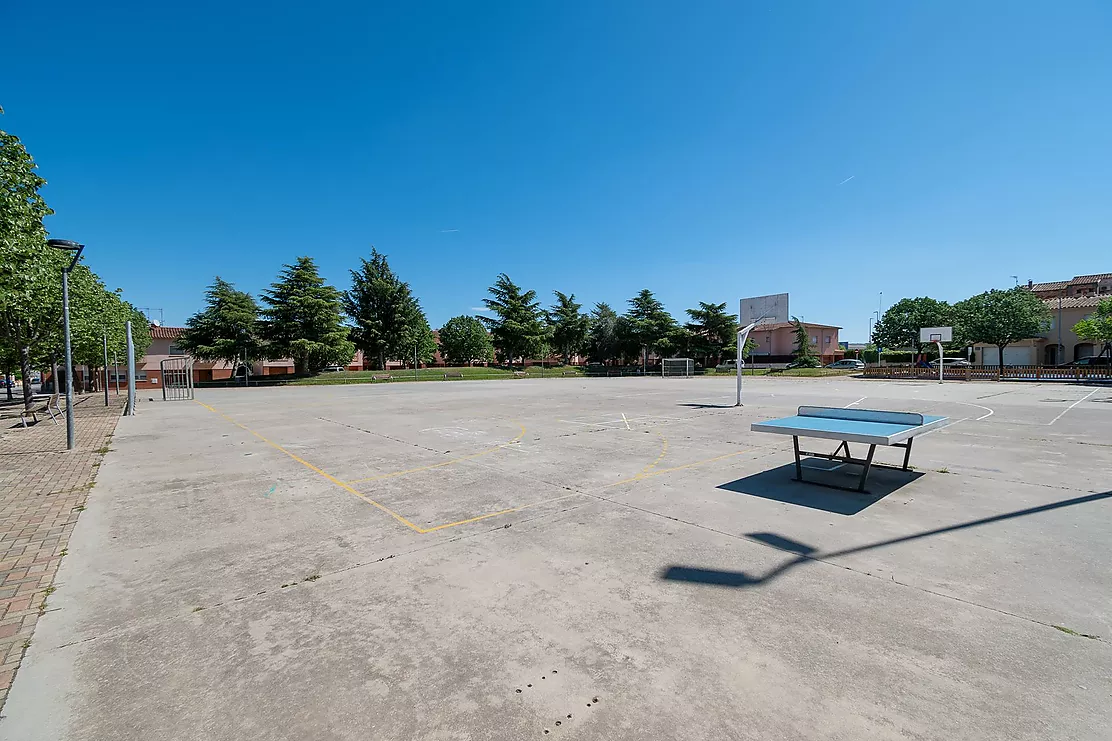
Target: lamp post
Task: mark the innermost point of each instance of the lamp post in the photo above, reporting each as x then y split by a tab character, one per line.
75	248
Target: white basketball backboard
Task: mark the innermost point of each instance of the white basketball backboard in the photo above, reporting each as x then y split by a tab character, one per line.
764	309
936	334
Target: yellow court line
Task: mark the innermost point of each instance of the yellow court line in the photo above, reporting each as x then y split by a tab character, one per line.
431	466
659	458
313	468
650	474
501	512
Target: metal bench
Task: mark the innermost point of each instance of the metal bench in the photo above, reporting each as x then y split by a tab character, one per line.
381	377
49	405
453	374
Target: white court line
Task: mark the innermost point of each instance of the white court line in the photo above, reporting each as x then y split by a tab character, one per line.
945	427
1071	406
983	416
593	424
626	421
855	403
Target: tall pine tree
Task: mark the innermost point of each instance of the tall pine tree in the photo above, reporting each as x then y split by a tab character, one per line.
304	320
650	324
387	316
226	329
568	326
518	329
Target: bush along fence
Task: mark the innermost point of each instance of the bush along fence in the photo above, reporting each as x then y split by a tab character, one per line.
995	373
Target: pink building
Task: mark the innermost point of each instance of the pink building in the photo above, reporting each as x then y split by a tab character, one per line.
776	342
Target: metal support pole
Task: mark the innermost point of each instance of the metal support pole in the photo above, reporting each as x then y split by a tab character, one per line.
415	378
116	372
105	369
940	363
130	373
70	443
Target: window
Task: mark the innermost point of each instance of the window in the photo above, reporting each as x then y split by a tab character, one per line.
814	340
175	350
828	339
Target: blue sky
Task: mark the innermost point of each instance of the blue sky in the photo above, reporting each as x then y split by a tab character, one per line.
707	151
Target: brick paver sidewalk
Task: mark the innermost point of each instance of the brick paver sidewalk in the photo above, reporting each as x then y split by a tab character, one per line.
43	488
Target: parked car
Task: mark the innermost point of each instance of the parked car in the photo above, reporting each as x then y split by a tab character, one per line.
952	363
726	366
847	364
1104	360
332	369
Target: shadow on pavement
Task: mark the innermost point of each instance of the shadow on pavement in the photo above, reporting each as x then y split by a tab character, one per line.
724	578
778	485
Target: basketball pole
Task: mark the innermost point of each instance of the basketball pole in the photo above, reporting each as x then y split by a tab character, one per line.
940	363
742	337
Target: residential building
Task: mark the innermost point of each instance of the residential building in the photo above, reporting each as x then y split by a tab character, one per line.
1069	302
1055	346
1081	285
776	342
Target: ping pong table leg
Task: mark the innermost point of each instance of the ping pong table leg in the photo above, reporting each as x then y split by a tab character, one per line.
907	452
798	465
865	470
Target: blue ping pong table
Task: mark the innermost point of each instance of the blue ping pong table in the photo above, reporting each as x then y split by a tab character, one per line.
868	426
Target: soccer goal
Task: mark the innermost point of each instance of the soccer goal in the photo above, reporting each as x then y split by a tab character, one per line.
677	367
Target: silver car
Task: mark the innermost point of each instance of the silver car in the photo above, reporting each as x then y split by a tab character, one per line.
847	364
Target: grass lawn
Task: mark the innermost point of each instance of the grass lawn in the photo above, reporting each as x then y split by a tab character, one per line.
436	374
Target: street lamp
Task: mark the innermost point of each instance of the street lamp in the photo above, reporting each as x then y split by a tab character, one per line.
75	248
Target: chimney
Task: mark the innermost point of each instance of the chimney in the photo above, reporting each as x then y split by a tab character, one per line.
1030	282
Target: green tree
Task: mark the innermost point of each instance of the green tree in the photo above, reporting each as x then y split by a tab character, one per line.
518	330
304	320
714	331
226	329
464	339
602	334
386	313
568	326
1097	327
805	356
900	325
649	322
30	271
1002	317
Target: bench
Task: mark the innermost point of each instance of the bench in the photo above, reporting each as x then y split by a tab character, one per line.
519	374
38	405
453	374
571	373
381	377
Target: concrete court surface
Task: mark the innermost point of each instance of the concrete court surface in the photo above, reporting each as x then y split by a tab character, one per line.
582	559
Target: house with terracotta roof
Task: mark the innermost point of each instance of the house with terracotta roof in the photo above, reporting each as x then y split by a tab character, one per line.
1069	302
776	342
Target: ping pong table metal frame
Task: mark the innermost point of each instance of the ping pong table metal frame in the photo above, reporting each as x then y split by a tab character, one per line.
902	439
865	463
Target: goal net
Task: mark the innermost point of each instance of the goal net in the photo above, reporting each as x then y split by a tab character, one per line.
677	367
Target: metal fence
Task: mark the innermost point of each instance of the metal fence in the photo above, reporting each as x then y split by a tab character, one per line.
177	378
995	372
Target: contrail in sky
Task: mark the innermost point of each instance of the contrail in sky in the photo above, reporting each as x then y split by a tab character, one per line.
445	231
851	177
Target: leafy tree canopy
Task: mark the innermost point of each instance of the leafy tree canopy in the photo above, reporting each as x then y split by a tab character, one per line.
1002	317
464	339
226	329
900	325
304	320
602	335
1098	326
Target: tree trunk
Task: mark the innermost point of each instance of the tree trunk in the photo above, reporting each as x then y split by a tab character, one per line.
1001	354
25	369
